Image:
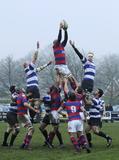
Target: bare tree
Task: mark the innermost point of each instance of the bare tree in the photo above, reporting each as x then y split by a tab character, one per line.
107	73
11	74
7	71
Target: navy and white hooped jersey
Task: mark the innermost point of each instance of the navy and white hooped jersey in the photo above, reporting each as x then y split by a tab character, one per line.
96	108
89	69
102	103
31	76
13	108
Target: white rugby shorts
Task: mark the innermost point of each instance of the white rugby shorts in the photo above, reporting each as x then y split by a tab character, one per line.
75	126
63	69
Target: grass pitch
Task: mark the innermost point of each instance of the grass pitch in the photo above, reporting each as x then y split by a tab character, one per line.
39	152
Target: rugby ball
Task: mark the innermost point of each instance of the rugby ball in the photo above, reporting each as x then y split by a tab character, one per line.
64	24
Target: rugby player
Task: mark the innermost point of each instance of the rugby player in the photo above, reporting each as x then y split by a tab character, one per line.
13	126
32	89
89	69
52	117
46	119
23	118
95	108
74	108
61	67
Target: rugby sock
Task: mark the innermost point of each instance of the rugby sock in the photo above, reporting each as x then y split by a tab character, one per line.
89	138
13	137
45	134
75	143
102	134
25	139
59	136
6	134
79	141
28	140
83	143
51	137
83	140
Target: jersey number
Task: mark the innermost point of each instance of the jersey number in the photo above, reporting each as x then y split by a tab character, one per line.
73	109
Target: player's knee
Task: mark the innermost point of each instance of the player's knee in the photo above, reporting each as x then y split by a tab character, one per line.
16	132
31	130
95	131
9	129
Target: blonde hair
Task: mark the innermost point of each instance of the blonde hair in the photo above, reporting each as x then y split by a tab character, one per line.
90	53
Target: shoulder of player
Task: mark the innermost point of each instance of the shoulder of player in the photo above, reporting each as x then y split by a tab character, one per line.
77	103
21	95
32	64
95	101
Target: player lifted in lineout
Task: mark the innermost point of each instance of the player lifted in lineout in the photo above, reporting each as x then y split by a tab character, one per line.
32	89
61	67
89	69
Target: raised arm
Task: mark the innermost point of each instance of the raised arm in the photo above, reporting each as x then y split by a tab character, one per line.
43	66
87	101
60	33
76	50
30	107
65	27
65	38
35	55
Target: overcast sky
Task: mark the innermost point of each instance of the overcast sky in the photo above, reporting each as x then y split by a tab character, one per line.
93	24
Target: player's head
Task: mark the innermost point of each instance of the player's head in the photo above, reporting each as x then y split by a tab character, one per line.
54	89
20	90
90	56
79	90
55	41
12	88
72	96
99	92
25	65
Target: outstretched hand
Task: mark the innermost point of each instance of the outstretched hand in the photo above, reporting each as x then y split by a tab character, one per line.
61	25
38	46
35	56
71	42
65	25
